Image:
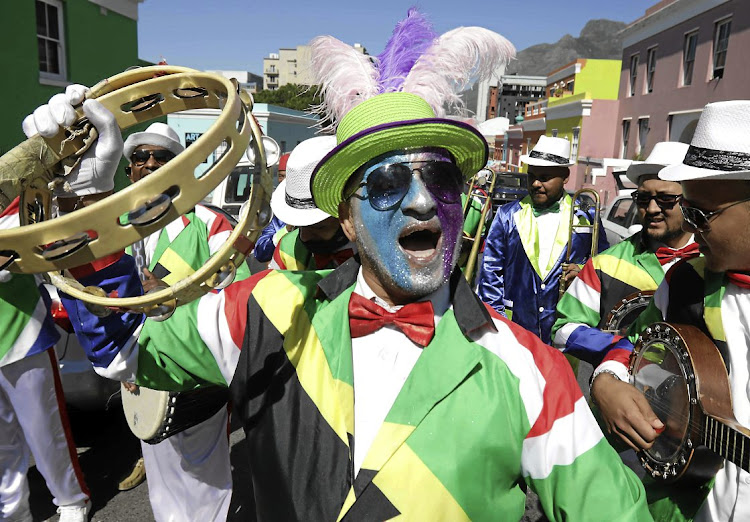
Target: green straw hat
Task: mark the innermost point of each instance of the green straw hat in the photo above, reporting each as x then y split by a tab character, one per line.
392	121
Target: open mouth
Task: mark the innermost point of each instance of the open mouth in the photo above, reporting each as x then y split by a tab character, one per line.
420	244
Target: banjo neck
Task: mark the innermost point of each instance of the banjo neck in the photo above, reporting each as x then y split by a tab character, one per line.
727	441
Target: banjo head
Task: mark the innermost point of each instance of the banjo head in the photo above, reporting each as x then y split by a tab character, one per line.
660	369
627	310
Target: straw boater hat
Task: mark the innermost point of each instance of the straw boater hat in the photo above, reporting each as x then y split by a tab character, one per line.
549	152
664	153
397	102
720	148
292	202
157	134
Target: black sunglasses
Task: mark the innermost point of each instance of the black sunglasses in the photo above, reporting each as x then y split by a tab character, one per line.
665	201
139	157
699	219
388	185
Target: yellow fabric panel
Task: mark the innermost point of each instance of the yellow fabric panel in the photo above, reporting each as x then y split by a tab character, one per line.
178	268
290	262
412	488
350	498
712	316
390	436
305	352
626	272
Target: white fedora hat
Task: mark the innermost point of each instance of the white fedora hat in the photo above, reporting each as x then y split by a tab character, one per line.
721	145
157	134
292	200
664	153
549	152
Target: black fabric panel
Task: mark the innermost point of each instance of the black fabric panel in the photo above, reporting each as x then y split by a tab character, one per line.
372	506
364	477
159	271
612	293
686	294
300	468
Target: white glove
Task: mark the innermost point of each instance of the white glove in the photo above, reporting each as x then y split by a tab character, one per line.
95	173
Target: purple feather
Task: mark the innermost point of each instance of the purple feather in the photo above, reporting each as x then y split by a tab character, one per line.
411	37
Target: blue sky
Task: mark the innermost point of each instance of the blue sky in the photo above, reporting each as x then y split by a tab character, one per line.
237	34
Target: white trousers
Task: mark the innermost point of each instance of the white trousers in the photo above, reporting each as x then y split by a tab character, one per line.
189	476
33	421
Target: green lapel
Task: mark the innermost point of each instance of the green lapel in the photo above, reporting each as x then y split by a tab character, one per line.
442	367
648	261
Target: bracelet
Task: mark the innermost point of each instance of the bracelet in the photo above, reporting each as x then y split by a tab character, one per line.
593	378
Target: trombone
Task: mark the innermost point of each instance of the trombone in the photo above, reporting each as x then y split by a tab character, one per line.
480	180
584	206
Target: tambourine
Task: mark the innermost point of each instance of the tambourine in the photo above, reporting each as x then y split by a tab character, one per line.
136	96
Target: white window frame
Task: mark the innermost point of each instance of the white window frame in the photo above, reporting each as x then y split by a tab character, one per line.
633	76
650	70
574	144
626	124
688	66
643	136
717	31
61	52
554	133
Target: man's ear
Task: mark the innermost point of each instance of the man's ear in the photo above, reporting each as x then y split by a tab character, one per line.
345	218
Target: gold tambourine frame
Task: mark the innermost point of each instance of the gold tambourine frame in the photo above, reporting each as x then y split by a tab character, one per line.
176	89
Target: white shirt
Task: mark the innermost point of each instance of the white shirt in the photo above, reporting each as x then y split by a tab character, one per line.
729	500
382	361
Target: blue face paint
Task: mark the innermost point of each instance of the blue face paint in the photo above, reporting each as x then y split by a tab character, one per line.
413	247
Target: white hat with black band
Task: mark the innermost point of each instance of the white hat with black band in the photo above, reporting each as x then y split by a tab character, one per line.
720	148
663	154
549	152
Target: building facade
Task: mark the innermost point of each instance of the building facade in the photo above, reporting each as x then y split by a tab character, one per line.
290	65
515	92
252	83
681	55
48	44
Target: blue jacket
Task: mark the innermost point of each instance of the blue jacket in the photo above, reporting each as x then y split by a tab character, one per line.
509	278
264	247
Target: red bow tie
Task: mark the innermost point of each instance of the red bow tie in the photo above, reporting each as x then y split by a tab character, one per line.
665	255
740	279
416	320
327	260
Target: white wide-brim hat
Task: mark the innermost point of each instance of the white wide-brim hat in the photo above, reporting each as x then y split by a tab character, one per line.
664	153
549	152
158	135
292	201
720	148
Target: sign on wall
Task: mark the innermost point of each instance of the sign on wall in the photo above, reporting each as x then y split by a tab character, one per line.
192	137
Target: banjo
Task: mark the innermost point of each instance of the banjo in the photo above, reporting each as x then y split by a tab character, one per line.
627	311
154	415
682	375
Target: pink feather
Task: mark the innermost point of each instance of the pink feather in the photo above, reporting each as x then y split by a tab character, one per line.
456	59
346	76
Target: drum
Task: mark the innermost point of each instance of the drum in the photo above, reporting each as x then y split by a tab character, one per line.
154	415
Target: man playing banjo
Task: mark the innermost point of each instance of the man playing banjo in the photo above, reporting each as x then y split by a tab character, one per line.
711	292
455	407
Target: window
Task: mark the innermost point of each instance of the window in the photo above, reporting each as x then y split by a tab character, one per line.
621	211
50	39
650	69
625	137
569	86
642	134
721	44
574	144
554	133
688	57
633	73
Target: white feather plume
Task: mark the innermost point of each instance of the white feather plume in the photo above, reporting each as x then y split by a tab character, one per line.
346	76
457	58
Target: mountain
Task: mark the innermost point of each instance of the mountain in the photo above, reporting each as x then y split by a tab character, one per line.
598	39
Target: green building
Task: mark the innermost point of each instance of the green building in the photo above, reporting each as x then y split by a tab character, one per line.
49	44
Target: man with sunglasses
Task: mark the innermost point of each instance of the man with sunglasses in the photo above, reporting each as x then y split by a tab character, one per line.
527	243
189	474
711	292
636	264
318	241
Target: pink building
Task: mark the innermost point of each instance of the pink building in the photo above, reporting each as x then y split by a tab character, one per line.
681	55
